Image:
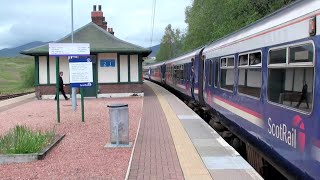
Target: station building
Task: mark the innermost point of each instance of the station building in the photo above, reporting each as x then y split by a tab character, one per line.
117	64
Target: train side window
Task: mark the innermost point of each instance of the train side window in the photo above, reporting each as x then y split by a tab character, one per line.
216	68
292	85
173	73
230	62
278	56
210	72
179	73
243	60
249	74
227	73
223	62
301	54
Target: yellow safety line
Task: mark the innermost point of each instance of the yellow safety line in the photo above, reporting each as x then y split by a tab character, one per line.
190	161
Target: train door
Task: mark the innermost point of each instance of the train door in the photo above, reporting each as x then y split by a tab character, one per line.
215	74
209	80
200	73
206	70
163	73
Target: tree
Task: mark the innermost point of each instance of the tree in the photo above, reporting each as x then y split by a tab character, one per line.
171	44
209	20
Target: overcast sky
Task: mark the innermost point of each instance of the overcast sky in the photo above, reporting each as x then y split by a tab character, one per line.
48	20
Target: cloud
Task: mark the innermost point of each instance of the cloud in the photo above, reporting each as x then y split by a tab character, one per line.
43	20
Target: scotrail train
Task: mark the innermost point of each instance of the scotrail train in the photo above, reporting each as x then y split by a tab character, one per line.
262	82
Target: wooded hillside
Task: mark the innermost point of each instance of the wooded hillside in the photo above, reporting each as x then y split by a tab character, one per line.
209	20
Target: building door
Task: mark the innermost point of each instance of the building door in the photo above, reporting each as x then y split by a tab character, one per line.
92	91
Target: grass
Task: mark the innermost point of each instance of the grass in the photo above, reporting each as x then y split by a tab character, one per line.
23	140
11	74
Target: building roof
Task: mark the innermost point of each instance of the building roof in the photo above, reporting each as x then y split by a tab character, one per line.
100	41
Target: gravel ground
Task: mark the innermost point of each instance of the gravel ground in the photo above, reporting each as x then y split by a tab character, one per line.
81	154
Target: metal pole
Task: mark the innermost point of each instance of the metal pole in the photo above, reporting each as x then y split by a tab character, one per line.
82	104
73	90
57	89
117	128
72	21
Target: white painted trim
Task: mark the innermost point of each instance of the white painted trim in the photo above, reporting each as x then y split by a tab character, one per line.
249	117
181	86
124	68
116	95
133	148
43	71
48	97
110	95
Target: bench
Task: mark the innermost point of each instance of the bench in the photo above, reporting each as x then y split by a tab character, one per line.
293	97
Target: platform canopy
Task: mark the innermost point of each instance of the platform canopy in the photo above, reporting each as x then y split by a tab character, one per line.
100	41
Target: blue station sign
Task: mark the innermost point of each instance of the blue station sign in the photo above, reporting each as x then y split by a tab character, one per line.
81	74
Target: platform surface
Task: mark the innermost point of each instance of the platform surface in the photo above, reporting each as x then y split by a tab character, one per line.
175	143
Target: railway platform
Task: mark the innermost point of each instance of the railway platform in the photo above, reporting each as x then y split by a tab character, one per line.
13	102
173	142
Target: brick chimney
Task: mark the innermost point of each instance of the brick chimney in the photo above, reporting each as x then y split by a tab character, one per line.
98	18
110	30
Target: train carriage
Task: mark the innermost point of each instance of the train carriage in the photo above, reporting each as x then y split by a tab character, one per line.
262	81
179	73
263	78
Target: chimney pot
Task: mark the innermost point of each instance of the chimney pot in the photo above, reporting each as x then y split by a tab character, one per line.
99	7
94	8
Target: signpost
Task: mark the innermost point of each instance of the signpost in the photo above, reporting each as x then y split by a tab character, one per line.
81	76
69	49
72	49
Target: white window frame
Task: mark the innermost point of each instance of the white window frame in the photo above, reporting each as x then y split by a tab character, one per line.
293	65
227	67
250	67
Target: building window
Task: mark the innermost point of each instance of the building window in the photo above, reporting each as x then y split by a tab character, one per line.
249	81
292	84
227	73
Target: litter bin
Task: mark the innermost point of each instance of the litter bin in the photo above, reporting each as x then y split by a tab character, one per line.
119	124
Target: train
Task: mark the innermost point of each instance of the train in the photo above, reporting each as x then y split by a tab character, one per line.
262	83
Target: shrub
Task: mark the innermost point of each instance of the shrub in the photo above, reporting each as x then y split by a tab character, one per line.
23	140
27	76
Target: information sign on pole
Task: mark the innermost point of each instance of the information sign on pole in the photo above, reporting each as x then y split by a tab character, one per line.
81	74
73	49
69	49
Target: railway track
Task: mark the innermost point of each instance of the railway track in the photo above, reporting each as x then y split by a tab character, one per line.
9	96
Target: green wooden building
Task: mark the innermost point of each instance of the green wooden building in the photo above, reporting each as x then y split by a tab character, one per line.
117	65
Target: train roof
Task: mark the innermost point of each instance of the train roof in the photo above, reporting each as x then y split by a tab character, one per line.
182	57
286	14
186	55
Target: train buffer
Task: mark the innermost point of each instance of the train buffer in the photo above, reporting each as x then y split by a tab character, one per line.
173	142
